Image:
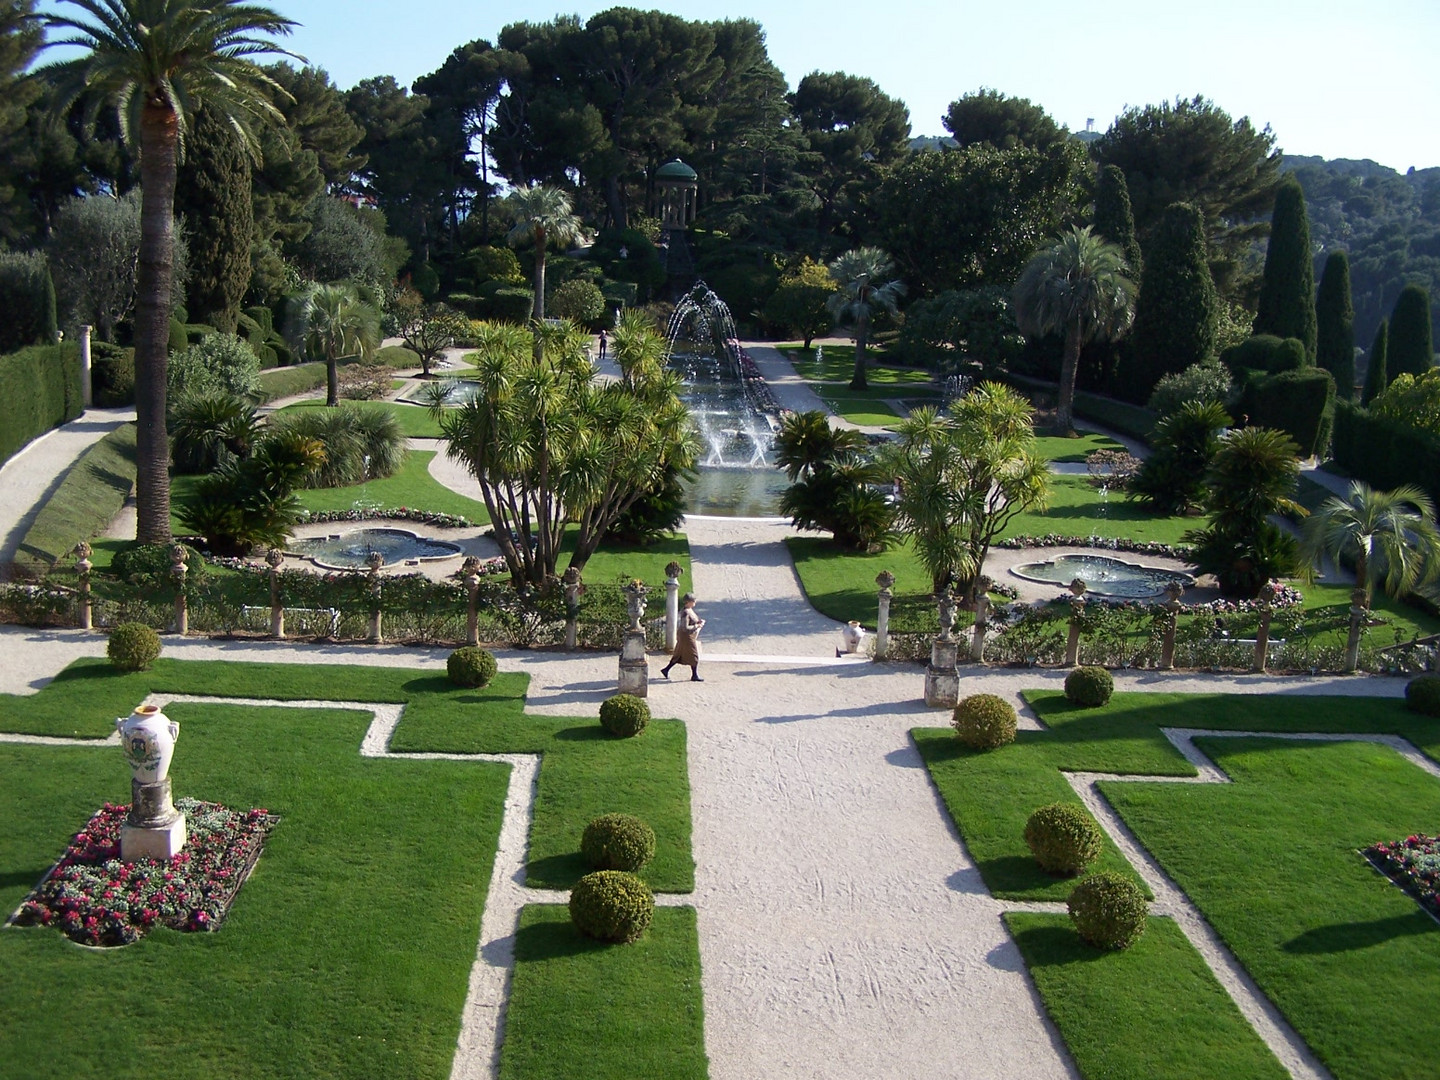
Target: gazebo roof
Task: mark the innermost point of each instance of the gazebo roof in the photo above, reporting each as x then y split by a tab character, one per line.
676	170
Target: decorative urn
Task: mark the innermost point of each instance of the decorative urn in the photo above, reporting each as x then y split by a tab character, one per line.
147	736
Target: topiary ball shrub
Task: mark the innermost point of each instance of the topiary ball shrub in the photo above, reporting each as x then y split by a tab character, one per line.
1108	910
611	905
470	667
624	715
133	647
1063	838
984	721
1089	686
618	842
1422	695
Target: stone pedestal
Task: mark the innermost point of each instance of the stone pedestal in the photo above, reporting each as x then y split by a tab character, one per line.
672	605
87	378
942	679
886	581
154	829
634	667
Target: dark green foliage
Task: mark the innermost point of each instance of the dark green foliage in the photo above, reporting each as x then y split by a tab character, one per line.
1171	479
618	842
1384	453
832	483
579	301
112	374
624	715
471	667
488	263
133	647
1063	838
611	905
798	308
179	337
984	721
1109	910
1335	324
959	325
27	302
1089	686
995	119
1411	350
152	564
1299	403
41	390
653	516
213	194
1114	219
1422	695
350	434
1176	310
210	428
250	502
1287	291
640	266
506	303
1377	376
1259	352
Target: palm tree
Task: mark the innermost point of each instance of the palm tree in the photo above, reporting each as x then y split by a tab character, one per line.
1080	287
1391	536
544	215
865	286
157	62
338	325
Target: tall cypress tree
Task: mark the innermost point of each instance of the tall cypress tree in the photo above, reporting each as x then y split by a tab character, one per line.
1287	291
1375	380
1412	351
1177	309
1335	324
1114	219
213	192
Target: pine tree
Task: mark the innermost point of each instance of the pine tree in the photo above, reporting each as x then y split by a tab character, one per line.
1411	350
1113	217
1287	291
1375	380
213	192
1335	324
1177	309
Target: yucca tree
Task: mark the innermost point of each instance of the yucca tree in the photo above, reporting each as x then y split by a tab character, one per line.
157	62
1391	536
865	284
546	216
337	326
1079	287
807	442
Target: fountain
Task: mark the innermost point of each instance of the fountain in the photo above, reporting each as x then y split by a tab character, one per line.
1105	576
352	550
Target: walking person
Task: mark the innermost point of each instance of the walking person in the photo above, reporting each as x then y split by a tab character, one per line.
687	640
603	342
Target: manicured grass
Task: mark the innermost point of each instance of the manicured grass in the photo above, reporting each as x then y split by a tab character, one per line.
282	382
608	1012
414	420
411	486
859	407
86	501
1076	508
1076	450
838	365
1178	1022
841	584
617	563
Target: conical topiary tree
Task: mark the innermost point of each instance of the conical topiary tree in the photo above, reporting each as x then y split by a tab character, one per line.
1287	291
1412	349
1375	377
1177	308
1114	219
1335	324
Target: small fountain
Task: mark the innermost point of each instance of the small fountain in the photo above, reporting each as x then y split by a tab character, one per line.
956	387
819	359
365	504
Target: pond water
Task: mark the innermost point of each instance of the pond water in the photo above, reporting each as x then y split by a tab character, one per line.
1104	576
349	551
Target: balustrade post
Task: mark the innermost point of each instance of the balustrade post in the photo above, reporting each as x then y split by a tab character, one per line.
1173	592
942	678
1077	614
83	567
886	580
274	558
1359	612
672	605
182	607
571	579
374	561
982	619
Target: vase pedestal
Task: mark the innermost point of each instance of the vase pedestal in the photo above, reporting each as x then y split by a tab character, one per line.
634	667
154	829
942	679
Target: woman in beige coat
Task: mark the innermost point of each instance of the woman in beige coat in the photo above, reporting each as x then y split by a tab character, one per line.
687	641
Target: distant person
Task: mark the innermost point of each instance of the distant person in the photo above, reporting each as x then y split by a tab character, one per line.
604	341
687	641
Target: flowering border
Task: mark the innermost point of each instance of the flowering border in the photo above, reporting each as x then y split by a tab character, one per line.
1109	543
95	899
1414	865
403	513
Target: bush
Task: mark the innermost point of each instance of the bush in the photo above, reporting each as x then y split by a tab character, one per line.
471	667
984	721
579	301
41	390
133	647
349	435
1089	686
112	374
1109	911
509	303
624	715
1422	695
1300	403
494	264
1063	838
216	362
27	297
611	905
151	564
618	842
1203	382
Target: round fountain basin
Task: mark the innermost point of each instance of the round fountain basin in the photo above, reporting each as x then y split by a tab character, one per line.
1104	576
457	392
351	550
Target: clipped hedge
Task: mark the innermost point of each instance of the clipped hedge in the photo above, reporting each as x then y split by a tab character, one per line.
611	905
276	383
27	301
617	842
471	667
1063	838
1109	911
133	647
984	721
42	391
1422	695
1089	686
624	715
1383	453
1300	403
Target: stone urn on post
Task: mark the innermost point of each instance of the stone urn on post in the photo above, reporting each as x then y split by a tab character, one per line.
154	829
275	559
942	679
1078	589
634	667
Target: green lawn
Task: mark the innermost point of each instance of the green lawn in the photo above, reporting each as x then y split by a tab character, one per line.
621	563
83	505
415	420
1270	860
838	365
1076	450
858	407
348	951
412	486
1076	508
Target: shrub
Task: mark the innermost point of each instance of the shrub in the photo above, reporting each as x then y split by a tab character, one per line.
618	842
579	301
984	721
1089	686
1422	695
1300	403
27	297
611	905
1063	838
216	362
210	428
41	389
508	303
112	374
151	564
349	435
1108	910
364	382
624	715
494	264
133	647
1203	382
471	667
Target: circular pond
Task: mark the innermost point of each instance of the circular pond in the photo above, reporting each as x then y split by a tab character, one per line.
1104	576
351	550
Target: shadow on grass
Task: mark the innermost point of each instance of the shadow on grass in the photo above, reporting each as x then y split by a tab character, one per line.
588	733
1347	937
556	871
553	940
28	878
1054	946
1015	874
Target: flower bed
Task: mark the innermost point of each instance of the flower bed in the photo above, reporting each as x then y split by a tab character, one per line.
1414	865
95	899
404	513
1108	543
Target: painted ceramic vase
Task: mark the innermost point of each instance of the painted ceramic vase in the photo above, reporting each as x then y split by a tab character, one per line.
147	736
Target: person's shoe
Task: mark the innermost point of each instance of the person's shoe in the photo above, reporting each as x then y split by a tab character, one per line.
696	678
837	654
665	671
